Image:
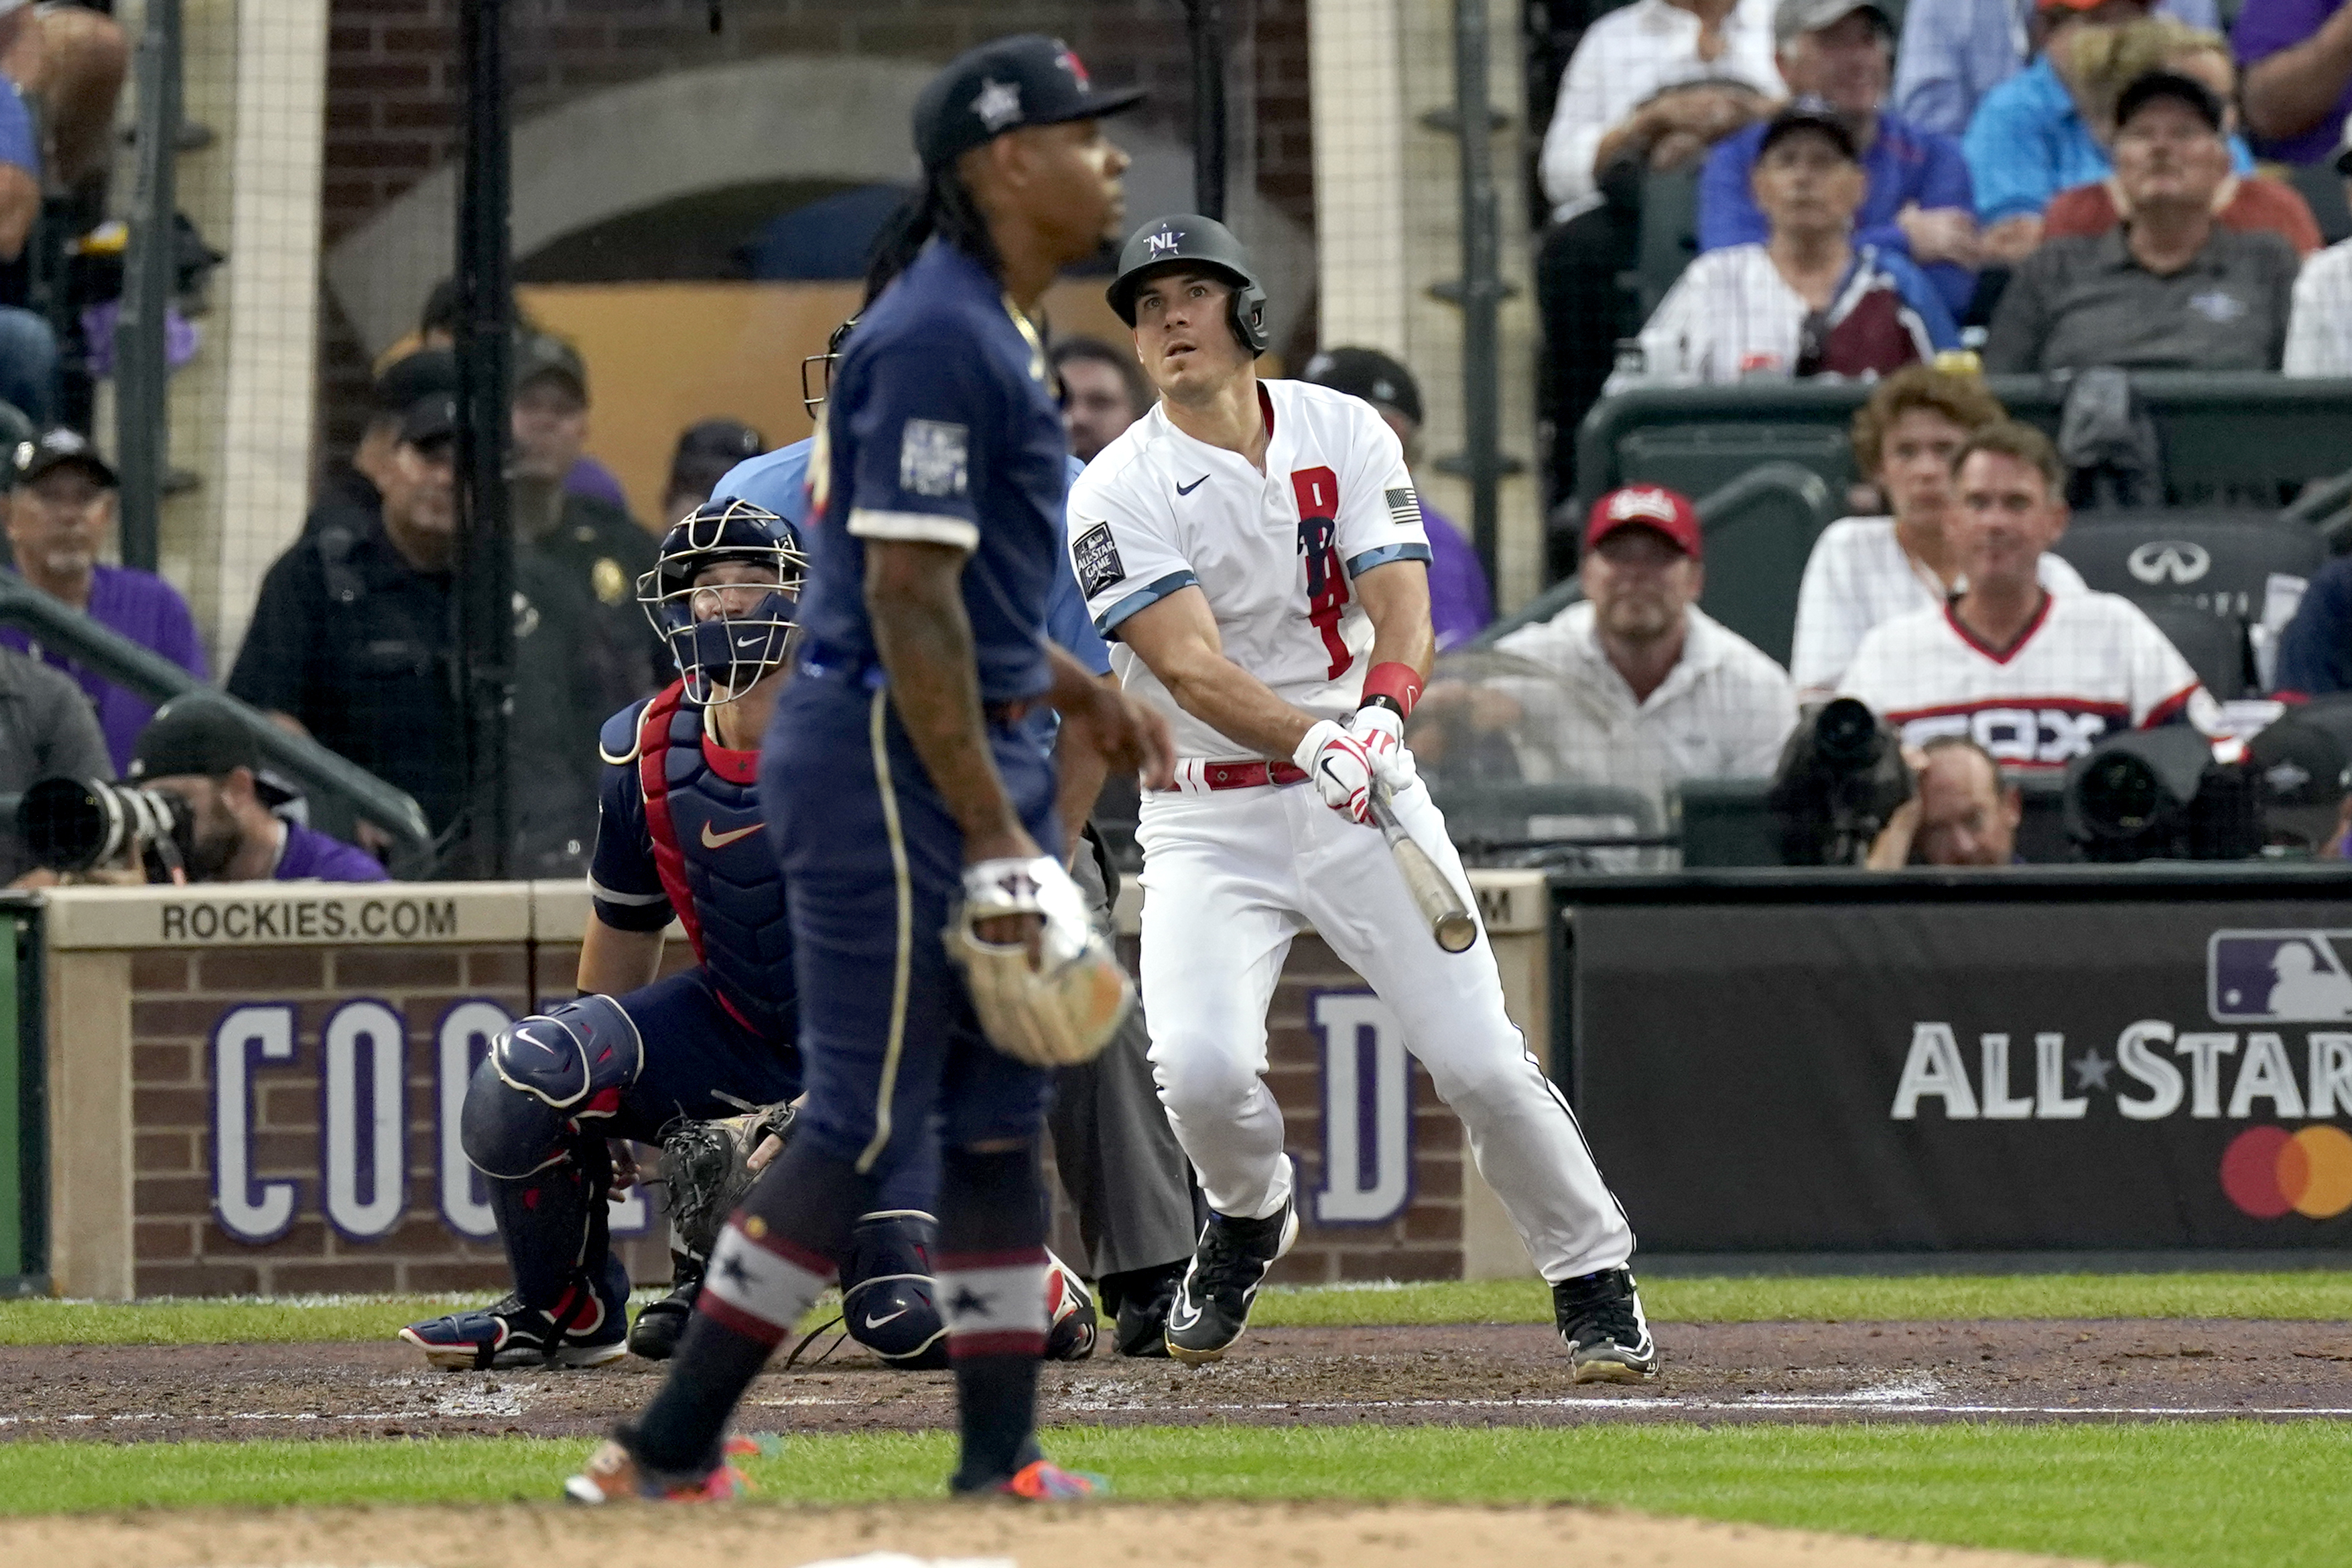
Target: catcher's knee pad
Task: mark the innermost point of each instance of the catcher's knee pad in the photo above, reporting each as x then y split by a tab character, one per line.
888	1298
543	1073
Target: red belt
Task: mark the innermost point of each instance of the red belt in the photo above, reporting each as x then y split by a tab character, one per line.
1194	775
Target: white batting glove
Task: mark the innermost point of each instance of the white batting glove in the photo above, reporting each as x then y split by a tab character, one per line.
1340	767
1381	731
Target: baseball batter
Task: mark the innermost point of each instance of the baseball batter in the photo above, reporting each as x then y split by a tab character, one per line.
1255	549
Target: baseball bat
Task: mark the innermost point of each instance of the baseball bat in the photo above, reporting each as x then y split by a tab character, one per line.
1450	925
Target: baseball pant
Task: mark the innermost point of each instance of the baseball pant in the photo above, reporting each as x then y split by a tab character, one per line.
1117	1156
1229	878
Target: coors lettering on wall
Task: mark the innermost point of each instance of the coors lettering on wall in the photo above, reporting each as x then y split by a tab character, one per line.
2172	1072
295	1104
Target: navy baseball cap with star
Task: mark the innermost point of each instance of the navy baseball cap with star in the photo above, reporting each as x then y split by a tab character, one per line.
1003	85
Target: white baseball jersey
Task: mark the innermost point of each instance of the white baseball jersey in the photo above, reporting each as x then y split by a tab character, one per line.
1276	552
2088	664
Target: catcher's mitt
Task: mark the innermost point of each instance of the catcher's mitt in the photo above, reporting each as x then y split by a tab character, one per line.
705	1164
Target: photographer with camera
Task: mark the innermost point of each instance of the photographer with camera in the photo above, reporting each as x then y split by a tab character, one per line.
1961	811
45	728
202	754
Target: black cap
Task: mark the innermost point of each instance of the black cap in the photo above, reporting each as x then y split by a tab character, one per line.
193	735
430	418
1811	114
1369	374
539	354
54	448
708	449
2150	86
408	382
1025	80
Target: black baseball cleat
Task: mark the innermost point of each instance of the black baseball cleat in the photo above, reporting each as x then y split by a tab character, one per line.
1601	1321
661	1324
1212	1301
1145	1295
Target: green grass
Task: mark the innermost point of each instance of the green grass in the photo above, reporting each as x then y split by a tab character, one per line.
2314	1295
2177	1494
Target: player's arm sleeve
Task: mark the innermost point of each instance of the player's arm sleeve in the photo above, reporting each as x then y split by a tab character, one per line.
1122	551
915	419
622	885
1067	621
2164	688
1379	510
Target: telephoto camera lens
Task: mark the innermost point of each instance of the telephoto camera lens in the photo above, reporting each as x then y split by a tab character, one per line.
72	824
1846	734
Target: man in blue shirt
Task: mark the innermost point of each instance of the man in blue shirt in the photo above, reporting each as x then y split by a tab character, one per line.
1956	51
1917	202
905	793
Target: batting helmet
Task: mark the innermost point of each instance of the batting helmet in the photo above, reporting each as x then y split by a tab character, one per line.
1198	242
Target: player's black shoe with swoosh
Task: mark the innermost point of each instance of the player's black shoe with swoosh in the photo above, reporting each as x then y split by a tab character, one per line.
1601	1321
1211	1305
661	1324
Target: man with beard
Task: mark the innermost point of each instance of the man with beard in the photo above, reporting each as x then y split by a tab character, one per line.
201	752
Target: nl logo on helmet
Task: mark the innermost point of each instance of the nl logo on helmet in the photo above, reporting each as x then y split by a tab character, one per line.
1164	243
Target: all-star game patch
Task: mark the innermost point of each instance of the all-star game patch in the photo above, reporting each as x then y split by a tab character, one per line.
1095	556
1405	506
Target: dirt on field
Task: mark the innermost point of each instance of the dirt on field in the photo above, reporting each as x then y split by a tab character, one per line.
1106	1535
1464	1374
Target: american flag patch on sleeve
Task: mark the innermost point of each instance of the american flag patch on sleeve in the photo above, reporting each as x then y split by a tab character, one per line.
1404	508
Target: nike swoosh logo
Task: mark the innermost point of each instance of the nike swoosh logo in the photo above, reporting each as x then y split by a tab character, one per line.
722	840
874	1322
1178	1318
1328	771
1196	484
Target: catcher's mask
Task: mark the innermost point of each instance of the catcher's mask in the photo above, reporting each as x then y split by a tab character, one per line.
817	370
722	595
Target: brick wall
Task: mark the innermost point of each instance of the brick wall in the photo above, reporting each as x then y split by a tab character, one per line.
394	99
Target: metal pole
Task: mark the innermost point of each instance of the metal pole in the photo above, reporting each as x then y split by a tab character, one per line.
1482	288
1205	21
485	555
142	409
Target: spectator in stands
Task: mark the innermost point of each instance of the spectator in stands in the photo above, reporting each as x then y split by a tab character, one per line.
2033	137
354	496
2034	678
1652	689
1954	52
351	640
1961	812
2108	61
59	515
1103	393
2315	654
1807	301
28	348
1651	87
2319	327
1917	202
2169	289
705	452
1867	570
201	753
2298	59
47	730
71	60
1459	603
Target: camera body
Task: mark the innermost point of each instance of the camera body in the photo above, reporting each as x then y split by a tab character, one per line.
1841	775
72	824
2162	795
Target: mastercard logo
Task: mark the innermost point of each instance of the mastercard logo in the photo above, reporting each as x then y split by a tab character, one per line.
2269	1171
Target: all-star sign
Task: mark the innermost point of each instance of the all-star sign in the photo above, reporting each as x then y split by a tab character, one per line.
2152	1071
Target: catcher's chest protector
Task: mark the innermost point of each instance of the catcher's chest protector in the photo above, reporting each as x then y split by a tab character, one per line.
710	846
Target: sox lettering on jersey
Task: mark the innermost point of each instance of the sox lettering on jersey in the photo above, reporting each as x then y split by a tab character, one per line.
1367	1109
2040	735
1318	490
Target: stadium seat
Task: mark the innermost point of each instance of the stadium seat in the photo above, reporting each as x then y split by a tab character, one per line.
2214	644
2221	561
2322	188
1669	237
1726	822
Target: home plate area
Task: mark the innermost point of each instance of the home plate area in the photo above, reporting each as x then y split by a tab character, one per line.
1475	1375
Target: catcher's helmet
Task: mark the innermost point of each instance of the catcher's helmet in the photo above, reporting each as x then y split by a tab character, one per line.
729	643
1194	241
817	370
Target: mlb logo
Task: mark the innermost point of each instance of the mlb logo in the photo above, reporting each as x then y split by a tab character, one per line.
2277	977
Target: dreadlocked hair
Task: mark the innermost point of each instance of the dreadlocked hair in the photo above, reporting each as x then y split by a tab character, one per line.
945	207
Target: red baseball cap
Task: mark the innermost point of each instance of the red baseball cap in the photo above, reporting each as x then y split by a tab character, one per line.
1645	506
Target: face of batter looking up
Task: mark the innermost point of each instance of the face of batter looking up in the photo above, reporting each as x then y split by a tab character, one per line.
1641	585
1184	333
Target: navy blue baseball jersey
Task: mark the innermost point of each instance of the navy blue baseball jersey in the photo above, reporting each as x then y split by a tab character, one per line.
679	832
961	448
779	481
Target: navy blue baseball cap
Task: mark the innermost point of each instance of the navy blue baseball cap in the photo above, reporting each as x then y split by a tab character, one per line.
1003	85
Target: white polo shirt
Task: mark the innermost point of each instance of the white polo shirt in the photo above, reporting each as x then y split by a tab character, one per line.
1275	552
2089	665
1857	576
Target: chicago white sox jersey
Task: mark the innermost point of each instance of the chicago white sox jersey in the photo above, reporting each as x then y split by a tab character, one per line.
1275	552
2088	664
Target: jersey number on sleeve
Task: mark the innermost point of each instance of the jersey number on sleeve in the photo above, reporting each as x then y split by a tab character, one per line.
1318	490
